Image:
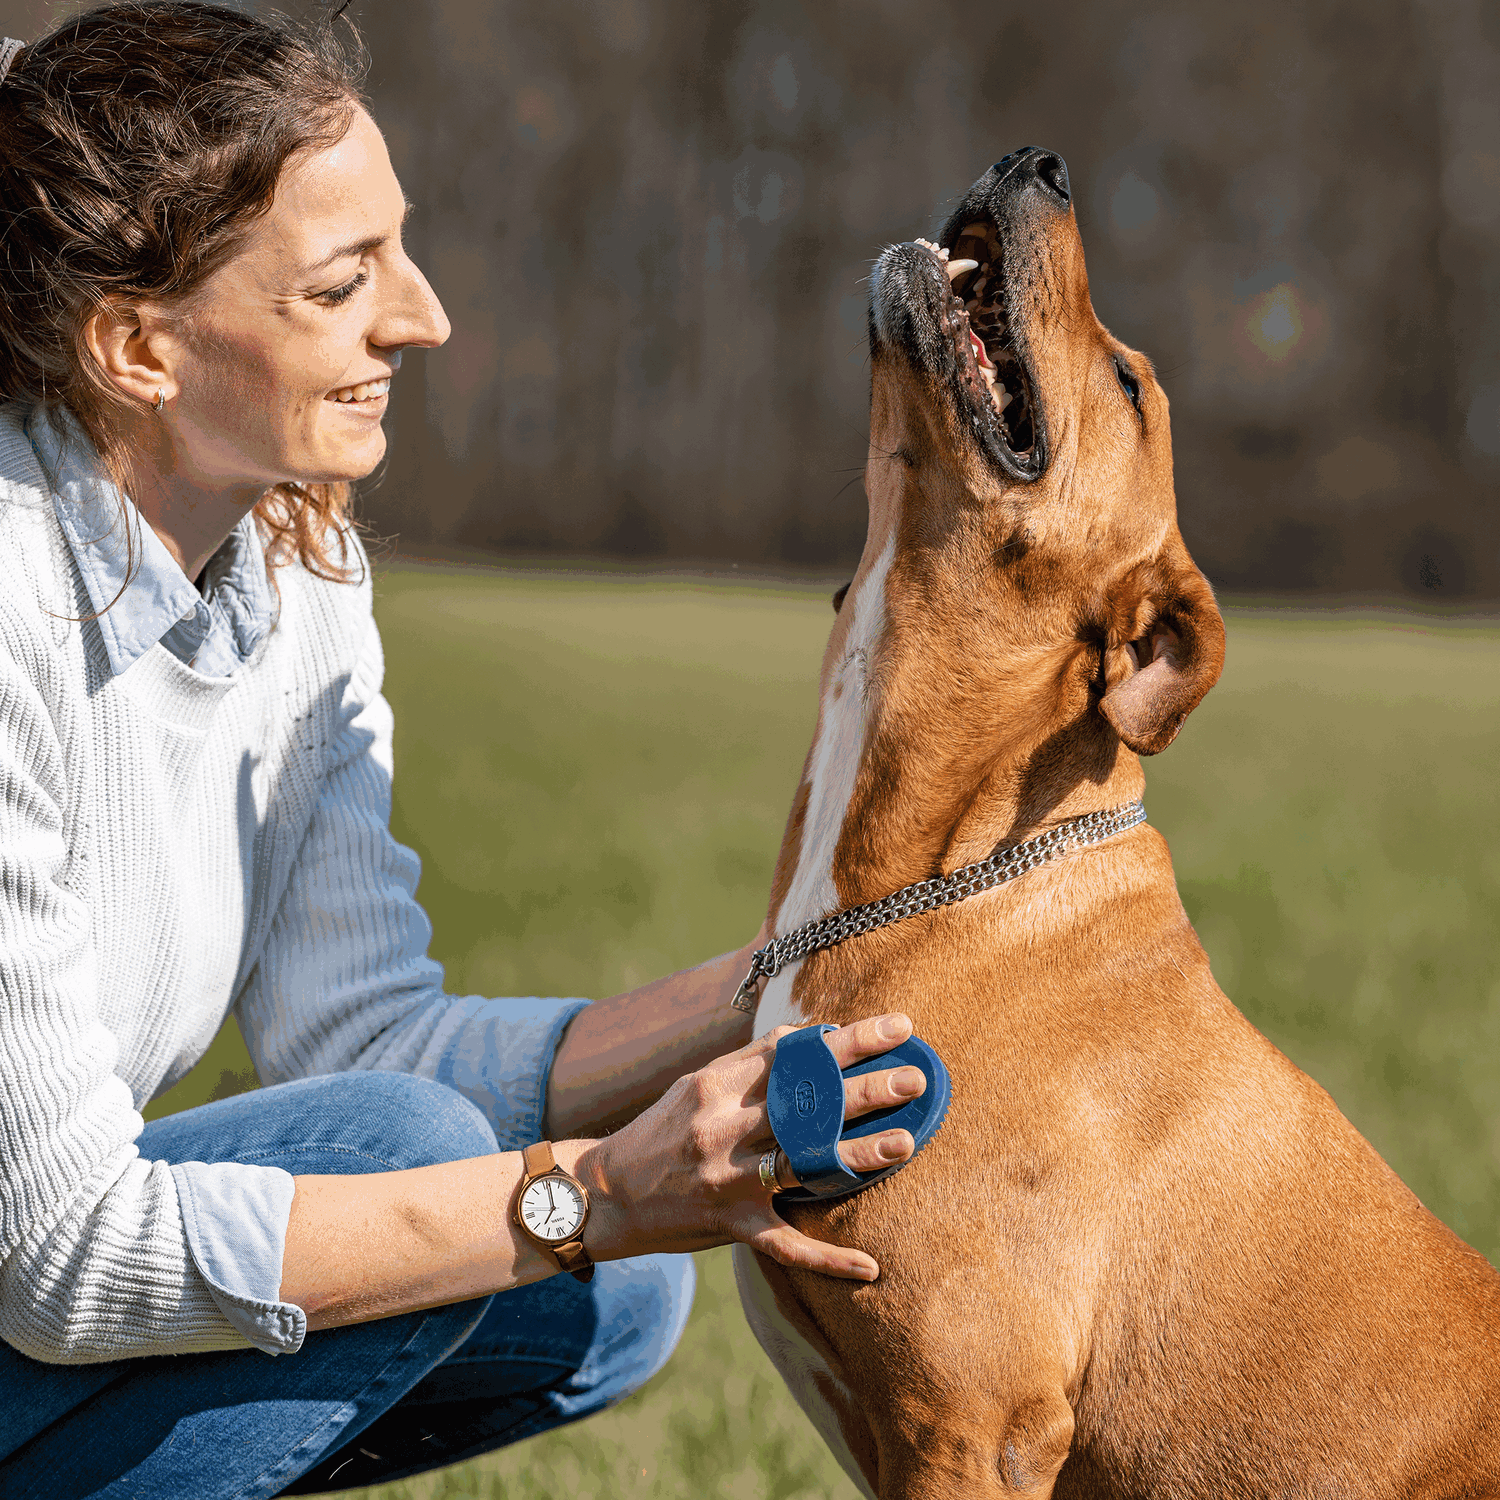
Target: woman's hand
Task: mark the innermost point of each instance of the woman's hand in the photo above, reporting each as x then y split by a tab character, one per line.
685	1175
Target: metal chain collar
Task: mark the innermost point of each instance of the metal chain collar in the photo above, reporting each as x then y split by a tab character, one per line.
927	895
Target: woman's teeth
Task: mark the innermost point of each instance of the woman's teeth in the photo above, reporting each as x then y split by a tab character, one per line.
365	392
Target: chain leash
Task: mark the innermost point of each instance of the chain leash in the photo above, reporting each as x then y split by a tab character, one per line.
927	895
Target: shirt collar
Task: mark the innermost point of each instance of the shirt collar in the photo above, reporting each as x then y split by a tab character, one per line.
138	592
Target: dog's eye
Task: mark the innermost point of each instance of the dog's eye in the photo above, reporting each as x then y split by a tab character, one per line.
1128	383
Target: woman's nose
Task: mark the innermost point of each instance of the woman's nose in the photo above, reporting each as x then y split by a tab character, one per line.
414	318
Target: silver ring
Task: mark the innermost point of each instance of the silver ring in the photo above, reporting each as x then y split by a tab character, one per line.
768	1172
161	401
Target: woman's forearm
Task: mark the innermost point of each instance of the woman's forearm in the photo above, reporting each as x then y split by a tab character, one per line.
372	1245
622	1054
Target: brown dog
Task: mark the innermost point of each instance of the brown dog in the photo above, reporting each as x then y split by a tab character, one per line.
1145	1256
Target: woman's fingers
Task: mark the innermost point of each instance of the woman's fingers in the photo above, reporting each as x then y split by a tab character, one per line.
881	1090
763	1230
867	1038
870	1153
887	1087
747	1071
850	1044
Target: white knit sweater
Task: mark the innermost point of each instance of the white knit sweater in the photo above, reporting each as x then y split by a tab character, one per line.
173	846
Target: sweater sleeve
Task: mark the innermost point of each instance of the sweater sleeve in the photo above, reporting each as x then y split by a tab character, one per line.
95	1258
344	979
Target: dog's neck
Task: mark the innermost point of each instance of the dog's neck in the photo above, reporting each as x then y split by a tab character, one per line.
953	719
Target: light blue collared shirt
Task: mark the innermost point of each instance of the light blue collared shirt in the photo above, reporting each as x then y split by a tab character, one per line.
141	596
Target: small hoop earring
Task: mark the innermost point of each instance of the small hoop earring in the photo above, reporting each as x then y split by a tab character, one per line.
160	402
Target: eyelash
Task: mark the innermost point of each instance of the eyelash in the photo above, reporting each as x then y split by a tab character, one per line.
343	293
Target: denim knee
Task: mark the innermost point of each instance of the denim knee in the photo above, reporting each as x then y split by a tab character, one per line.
642	1307
430	1121
335	1123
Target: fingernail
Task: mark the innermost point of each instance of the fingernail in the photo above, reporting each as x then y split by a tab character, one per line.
892	1147
892	1028
907	1084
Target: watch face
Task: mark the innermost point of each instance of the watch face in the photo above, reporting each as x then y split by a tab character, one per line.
552	1209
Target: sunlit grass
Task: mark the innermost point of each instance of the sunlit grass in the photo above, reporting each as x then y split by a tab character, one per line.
596	773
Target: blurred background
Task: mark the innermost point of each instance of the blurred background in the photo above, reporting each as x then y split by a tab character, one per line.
651	223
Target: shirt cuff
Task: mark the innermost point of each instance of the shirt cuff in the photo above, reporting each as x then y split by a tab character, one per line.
236	1217
500	1058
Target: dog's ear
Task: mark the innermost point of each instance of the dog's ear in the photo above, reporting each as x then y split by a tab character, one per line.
1161	676
840	594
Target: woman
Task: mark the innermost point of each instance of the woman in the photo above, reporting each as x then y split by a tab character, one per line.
203	301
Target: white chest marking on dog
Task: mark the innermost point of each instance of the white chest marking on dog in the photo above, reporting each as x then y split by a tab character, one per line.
800	1365
835	763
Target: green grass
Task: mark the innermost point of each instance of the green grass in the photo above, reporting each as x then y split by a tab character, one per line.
596	773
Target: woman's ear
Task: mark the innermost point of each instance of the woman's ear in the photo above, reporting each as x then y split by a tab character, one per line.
1162	676
128	344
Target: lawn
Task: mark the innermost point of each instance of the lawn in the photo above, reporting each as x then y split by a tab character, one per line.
596	772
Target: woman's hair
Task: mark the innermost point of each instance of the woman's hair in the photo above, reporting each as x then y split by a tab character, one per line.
139	144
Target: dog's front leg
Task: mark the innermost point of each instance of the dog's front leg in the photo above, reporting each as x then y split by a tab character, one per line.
953	1453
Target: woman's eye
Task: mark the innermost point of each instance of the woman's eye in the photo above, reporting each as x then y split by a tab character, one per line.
343	293
1128	383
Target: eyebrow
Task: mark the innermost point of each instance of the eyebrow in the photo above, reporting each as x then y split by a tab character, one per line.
357	247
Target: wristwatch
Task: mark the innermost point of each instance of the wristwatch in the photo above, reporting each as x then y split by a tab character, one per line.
552	1208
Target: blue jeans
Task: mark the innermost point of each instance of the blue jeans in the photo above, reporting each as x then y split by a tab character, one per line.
355	1405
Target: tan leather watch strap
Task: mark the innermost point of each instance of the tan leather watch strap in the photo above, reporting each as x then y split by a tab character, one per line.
575	1260
539	1159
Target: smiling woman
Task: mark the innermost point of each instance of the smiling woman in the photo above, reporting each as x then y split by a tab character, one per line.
274	376
203	300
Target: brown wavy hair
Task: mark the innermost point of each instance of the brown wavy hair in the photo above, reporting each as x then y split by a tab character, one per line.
139	144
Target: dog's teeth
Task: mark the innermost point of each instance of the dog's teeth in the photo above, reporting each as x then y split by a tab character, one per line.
956	268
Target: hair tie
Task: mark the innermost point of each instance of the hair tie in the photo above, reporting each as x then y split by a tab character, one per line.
9	47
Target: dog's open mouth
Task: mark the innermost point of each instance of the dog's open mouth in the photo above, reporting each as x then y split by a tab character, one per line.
976	319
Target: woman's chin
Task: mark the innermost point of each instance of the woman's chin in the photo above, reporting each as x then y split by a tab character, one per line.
351	457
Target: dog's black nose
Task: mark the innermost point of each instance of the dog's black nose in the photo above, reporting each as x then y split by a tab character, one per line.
999	168
1052	172
1034	163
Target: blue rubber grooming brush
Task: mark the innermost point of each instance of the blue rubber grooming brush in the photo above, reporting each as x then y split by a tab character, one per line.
805	1101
